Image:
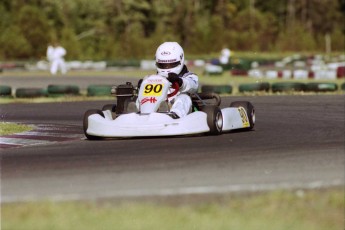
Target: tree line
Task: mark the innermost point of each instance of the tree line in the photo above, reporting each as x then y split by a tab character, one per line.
116	29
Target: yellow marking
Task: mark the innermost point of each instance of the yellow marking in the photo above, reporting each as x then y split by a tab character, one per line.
244	117
154	90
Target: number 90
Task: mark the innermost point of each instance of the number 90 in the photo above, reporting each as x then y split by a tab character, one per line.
157	88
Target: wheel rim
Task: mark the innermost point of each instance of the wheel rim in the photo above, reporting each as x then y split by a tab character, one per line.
219	121
253	117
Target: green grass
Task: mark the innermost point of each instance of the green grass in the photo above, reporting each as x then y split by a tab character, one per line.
279	210
7	128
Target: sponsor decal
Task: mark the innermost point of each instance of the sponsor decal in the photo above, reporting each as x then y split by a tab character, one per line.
244	117
155	80
166	61
165	53
148	99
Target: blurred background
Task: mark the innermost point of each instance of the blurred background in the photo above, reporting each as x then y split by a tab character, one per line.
132	29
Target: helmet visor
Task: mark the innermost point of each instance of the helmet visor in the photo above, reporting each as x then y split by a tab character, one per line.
168	65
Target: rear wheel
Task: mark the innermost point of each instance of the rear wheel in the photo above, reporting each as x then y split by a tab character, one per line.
86	123
214	119
249	108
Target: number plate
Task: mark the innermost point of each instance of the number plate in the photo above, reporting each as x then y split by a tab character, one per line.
153	90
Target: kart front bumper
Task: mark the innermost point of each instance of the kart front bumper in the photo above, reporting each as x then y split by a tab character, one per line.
154	124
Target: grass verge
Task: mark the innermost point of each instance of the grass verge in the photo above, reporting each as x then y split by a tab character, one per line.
278	210
7	128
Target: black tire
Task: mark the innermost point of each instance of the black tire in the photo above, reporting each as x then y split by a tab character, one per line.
31	92
99	90
321	87
86	122
343	86
214	119
112	108
5	91
249	108
226	89
62	90
263	86
288	86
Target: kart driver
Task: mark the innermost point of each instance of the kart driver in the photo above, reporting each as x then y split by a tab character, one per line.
170	64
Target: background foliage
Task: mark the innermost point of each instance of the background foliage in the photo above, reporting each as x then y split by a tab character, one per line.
112	29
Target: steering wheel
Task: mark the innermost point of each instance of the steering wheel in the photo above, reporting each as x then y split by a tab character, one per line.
176	88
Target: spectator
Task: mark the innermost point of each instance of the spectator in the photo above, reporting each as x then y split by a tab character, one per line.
225	56
55	55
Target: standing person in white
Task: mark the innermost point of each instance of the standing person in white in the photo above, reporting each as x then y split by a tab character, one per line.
224	56
170	64
55	55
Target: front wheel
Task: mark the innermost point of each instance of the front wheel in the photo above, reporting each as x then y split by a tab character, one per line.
86	123
214	119
111	108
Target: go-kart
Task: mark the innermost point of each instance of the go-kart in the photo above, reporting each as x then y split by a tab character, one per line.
145	111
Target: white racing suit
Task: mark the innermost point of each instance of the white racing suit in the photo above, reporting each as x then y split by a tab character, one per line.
182	103
56	56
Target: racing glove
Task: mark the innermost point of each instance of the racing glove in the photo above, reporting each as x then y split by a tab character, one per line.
172	77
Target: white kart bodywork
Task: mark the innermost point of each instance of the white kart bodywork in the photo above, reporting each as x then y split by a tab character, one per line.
150	123
154	124
158	124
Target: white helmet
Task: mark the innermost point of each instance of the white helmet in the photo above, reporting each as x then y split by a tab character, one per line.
169	58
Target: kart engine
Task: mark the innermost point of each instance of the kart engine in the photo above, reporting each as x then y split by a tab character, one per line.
124	94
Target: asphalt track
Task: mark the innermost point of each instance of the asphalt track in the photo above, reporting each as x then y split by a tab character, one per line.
298	142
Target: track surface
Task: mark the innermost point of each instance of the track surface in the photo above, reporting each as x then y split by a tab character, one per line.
298	142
